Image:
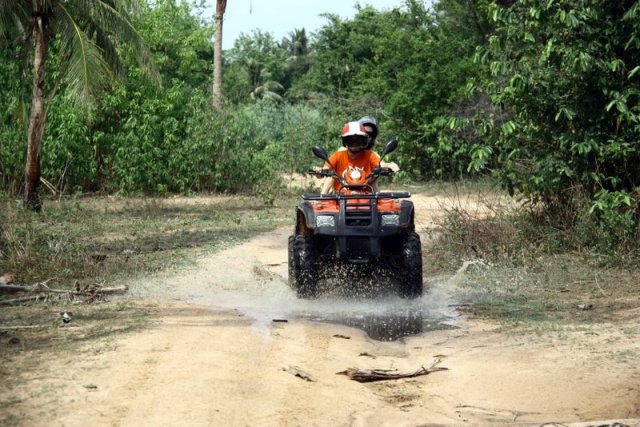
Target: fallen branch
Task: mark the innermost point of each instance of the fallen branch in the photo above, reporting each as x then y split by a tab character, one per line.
364	375
40	291
42	288
17	300
17	328
294	370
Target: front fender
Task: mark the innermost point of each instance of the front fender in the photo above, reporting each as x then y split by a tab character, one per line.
407	215
305	218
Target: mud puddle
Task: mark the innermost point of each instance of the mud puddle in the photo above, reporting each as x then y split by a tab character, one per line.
251	280
384	317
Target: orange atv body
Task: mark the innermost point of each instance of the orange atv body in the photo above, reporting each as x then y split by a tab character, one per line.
362	229
358	226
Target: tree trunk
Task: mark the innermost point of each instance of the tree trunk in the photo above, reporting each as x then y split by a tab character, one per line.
221	5
36	121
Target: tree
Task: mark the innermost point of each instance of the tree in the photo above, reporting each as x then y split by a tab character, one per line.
255	67
566	75
86	33
221	6
299	57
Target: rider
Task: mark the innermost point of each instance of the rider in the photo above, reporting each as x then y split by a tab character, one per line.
355	163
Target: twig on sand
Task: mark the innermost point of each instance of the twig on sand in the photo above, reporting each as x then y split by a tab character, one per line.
368	375
90	293
294	370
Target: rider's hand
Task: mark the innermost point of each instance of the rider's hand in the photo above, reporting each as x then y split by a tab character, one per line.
316	171
391	165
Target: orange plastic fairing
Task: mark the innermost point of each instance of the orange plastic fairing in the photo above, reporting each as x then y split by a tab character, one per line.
332	206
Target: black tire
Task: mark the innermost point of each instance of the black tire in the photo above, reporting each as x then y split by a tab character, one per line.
304	267
291	261
411	274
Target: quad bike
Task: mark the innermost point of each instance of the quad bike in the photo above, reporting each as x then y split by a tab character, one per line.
358	226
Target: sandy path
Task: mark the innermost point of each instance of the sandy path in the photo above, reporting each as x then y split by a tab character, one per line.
215	357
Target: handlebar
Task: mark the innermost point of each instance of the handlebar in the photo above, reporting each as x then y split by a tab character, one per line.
376	172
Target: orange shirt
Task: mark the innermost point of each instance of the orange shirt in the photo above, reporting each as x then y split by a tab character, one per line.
354	171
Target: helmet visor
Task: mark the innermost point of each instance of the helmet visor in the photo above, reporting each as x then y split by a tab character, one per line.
356	141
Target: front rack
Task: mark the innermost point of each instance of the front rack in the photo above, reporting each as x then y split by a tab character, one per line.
342	196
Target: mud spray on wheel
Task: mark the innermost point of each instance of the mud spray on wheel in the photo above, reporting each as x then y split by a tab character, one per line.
357	229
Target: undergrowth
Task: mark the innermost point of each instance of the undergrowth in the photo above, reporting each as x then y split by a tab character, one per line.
103	239
528	264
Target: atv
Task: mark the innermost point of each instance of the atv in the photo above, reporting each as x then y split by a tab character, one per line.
357	226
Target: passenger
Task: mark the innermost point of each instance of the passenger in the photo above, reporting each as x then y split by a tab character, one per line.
371	127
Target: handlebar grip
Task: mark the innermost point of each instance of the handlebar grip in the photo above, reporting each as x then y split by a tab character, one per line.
320	172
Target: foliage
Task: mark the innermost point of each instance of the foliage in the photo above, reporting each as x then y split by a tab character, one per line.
13	120
86	37
565	75
407	67
256	68
544	96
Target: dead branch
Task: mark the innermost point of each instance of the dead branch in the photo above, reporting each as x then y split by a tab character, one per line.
17	328
48	185
365	375
19	300
40	291
294	370
42	288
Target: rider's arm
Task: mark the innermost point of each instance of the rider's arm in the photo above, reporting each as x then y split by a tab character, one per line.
327	182
327	185
374	160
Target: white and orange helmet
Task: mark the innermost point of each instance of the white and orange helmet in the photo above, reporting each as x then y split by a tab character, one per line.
354	135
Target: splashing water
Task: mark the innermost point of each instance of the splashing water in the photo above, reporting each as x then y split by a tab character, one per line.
252	279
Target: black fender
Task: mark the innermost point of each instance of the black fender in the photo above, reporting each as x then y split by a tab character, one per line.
305	218
407	215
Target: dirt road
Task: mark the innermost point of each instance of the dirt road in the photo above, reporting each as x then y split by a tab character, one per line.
216	356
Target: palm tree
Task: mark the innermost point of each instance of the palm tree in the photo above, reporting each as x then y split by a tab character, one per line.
261	81
299	56
88	32
221	6
297	44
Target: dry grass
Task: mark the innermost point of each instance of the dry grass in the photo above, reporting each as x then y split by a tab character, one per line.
528	270
107	238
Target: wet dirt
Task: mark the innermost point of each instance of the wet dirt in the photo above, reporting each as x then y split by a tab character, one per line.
231	332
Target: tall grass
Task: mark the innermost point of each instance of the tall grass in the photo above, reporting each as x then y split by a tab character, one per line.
530	266
109	238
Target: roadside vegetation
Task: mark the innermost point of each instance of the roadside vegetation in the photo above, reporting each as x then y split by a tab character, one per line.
541	99
513	263
109	239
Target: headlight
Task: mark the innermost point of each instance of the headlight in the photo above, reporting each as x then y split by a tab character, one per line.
392	219
325	221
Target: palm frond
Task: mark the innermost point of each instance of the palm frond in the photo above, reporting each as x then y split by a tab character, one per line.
113	17
13	16
86	70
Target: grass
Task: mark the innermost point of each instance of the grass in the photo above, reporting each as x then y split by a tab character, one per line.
527	270
109	238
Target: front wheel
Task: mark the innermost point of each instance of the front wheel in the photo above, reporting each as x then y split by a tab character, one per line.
411	275
305	280
291	261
